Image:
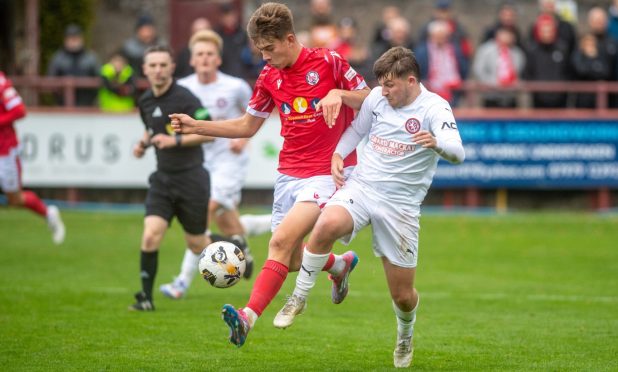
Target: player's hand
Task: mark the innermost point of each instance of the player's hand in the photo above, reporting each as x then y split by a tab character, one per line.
163	141
183	123
238	144
139	150
330	106
425	139
336	169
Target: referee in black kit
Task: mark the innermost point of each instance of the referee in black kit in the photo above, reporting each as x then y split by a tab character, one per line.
180	186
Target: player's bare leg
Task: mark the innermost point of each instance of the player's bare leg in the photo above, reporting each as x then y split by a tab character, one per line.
405	303
30	200
281	249
334	222
189	267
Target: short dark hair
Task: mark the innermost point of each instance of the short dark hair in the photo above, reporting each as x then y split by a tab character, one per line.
397	62
159	48
271	21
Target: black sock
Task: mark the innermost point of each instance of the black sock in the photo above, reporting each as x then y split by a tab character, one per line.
148	271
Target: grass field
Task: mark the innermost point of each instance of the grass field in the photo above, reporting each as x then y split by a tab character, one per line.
515	292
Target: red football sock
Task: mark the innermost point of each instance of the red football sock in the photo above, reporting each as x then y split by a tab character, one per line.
267	285
32	202
329	263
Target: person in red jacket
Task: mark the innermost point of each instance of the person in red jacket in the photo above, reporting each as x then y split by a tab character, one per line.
12	108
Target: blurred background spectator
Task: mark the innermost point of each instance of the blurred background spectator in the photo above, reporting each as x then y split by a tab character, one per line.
507	18
73	59
613	20
145	36
548	59
349	47
183	67
381	33
443	64
117	94
564	30
457	34
499	62
399	34
234	38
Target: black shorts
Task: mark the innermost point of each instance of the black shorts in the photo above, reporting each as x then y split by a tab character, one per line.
182	194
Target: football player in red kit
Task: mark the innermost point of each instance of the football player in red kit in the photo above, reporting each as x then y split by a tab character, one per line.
12	108
315	92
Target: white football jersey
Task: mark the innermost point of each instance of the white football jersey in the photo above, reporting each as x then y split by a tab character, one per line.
391	162
225	98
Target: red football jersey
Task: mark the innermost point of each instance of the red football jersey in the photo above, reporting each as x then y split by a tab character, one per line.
9	101
308	143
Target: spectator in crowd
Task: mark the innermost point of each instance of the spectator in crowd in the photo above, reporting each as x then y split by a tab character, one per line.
381	34
118	90
12	108
183	65
499	62
234	39
590	63
145	36
507	18
323	33
398	35
612	27
443	64
458	35
350	49
321	10
564	30
252	61
608	47
73	59
547	59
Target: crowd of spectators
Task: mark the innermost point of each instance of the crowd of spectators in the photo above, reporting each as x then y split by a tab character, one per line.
553	49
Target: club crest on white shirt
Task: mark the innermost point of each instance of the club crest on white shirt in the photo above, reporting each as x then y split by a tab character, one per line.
312	77
413	125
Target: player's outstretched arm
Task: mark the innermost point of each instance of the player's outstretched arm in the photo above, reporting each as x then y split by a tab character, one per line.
331	103
243	127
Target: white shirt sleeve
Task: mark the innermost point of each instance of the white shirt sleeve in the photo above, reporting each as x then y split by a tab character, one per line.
359	128
444	128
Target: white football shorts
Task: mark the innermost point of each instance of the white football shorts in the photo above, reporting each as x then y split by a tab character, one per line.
290	190
10	171
394	223
226	182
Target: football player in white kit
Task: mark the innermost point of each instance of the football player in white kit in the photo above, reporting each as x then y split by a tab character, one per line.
408	129
226	160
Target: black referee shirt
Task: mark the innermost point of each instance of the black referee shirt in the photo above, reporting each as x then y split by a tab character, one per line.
155	113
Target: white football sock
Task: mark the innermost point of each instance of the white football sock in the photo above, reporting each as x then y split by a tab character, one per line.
310	267
251	315
256	224
188	268
405	320
338	265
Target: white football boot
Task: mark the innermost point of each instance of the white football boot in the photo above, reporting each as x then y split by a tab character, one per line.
295	305
402	356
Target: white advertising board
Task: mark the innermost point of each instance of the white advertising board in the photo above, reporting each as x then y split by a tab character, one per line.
95	151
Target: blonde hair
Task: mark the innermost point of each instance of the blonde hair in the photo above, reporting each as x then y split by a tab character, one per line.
206	36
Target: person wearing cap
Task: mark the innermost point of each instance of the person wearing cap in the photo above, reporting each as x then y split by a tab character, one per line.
144	37
73	59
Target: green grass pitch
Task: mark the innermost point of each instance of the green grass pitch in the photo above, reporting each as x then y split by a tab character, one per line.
515	292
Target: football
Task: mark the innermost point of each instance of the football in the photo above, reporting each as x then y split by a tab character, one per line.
222	264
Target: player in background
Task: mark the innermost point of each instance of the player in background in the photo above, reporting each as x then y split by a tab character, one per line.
226	160
12	108
315	92
409	128
180	186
